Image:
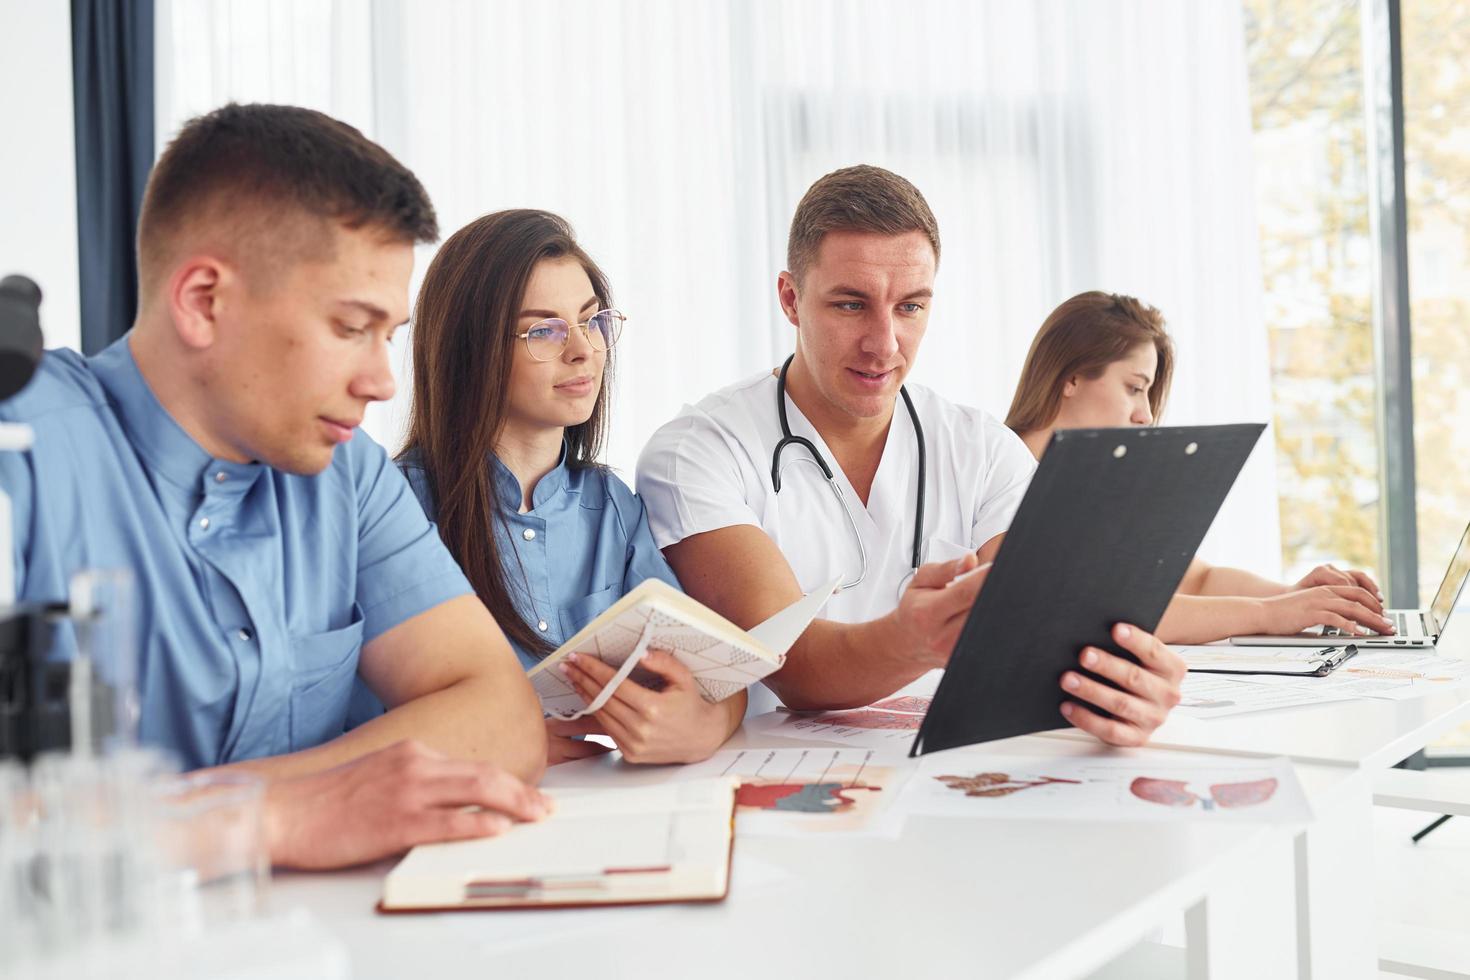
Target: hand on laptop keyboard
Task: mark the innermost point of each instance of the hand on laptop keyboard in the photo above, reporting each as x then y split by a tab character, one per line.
1332	575
1400	626
1350	609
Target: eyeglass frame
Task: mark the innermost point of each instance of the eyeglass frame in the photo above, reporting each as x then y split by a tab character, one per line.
586	326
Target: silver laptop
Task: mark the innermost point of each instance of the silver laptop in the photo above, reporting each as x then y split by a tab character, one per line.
1416	627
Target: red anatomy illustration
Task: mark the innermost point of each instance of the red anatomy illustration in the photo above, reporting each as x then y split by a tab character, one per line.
868	718
1173	792
1243	794
1168	792
908	702
992	784
814	797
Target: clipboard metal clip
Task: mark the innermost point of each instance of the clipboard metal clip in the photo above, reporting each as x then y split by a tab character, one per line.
1334	657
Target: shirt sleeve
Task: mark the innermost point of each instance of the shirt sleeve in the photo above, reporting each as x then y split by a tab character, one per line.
690	481
645	561
418	482
1006	480
403	568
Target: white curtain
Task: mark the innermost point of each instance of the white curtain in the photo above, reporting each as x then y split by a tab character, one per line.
1063	144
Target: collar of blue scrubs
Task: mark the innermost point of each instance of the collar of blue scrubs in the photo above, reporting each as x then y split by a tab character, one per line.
162	442
508	488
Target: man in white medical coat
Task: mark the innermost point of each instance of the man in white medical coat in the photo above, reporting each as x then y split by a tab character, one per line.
862	256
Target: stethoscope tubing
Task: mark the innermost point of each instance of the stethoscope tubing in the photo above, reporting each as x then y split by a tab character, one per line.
787	439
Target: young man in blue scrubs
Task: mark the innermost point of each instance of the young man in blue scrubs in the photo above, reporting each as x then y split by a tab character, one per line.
277	552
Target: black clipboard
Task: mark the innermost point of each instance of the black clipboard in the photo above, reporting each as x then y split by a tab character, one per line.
1328	660
1104	535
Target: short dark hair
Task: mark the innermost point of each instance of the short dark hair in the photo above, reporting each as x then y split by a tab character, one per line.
860	198
265	161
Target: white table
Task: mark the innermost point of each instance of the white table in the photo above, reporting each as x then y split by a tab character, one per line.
1370	734
975	898
1333	857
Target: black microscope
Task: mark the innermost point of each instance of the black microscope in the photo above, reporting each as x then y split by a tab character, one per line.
35	688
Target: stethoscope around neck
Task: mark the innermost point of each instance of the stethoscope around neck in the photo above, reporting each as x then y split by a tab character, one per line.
787	439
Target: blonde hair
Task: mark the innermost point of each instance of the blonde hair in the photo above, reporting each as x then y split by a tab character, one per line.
1083	336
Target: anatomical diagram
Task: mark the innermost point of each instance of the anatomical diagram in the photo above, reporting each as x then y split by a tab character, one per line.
1175	792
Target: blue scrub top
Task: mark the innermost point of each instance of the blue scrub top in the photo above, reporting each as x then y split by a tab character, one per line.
584	544
256	589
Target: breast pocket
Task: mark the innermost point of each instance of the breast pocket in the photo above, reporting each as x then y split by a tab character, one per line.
323	667
938	549
578	614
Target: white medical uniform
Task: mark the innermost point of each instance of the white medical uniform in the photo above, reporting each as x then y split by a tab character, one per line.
711	468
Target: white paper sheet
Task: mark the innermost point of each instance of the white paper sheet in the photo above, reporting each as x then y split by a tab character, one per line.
1302	661
560	700
890	723
1220	696
1394	675
779	633
1387	675
678	835
816	791
608	689
1160	786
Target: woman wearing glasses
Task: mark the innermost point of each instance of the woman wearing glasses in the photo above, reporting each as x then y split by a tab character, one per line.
512	341
1102	360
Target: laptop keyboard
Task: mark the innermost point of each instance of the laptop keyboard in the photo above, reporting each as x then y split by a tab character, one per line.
1400	625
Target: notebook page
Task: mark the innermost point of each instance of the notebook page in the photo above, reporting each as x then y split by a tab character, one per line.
588	832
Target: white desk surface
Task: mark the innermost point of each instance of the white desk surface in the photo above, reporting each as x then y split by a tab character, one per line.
1370	734
979	898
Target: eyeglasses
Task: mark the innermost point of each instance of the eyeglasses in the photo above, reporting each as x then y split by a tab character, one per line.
546	339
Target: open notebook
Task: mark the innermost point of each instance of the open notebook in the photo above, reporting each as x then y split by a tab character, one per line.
723	657
643	845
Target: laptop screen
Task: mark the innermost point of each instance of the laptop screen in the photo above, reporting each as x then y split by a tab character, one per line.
1454	579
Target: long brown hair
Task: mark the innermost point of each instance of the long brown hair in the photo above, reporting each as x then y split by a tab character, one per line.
463	345
1083	336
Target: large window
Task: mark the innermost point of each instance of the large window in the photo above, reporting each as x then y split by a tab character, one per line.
1437	154
1065	146
1306	86
1307	100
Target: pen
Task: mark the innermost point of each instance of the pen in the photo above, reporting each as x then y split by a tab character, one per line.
571	881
